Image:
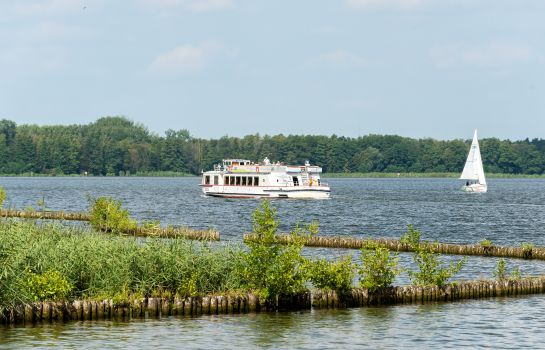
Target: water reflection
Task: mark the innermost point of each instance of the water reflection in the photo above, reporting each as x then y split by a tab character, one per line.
490	323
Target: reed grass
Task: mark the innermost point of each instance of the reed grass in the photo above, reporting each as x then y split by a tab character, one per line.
99	265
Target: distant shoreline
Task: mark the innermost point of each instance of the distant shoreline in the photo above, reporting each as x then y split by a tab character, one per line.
325	175
426	175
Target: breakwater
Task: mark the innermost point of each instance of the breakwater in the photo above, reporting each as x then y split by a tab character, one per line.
47	215
80	310
244	303
173	232
156	231
522	252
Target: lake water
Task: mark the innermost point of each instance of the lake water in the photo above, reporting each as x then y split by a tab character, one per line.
511	213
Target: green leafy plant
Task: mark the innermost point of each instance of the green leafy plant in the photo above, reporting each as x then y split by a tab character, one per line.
334	275
500	272
486	243
515	274
378	268
108	214
271	269
527	249
411	237
50	285
430	270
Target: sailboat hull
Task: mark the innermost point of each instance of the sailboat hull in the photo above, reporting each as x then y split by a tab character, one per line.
477	188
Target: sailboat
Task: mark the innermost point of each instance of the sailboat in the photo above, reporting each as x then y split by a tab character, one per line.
473	171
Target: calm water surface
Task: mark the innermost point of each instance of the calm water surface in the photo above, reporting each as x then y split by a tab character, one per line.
512	212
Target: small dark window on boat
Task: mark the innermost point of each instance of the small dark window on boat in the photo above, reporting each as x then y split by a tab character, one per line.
231	180
256	181
207	180
216	180
250	181
244	181
226	180
238	181
295	181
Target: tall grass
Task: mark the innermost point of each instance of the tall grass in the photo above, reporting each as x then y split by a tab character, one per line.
96	265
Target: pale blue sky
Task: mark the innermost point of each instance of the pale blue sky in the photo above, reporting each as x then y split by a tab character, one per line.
417	68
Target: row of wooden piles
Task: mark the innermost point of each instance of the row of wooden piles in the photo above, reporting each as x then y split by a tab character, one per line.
165	232
395	245
89	310
212	305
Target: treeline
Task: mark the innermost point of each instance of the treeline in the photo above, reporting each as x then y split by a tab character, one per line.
118	146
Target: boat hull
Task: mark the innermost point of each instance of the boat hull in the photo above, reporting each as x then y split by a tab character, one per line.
309	192
475	188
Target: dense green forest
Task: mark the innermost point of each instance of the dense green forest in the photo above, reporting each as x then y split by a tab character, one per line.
118	146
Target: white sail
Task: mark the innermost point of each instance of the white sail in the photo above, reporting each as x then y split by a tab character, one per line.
473	170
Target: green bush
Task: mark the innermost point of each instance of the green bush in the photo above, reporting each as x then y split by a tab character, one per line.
430	272
527	249
486	243
515	274
271	269
500	272
411	237
378	268
107	214
334	275
50	285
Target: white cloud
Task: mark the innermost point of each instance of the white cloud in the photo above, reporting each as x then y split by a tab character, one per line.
397	4
489	55
337	59
186	58
192	5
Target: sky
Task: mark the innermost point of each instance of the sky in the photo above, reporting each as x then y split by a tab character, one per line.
415	68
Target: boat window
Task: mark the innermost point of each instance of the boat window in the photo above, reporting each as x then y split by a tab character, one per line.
238	181
295	181
231	180
216	180
244	181
207	180
250	181
226	180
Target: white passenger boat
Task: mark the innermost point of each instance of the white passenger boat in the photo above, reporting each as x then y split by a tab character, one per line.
473	171
241	178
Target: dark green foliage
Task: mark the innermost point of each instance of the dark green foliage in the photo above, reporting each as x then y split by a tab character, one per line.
118	146
430	270
378	268
269	268
334	275
108	214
